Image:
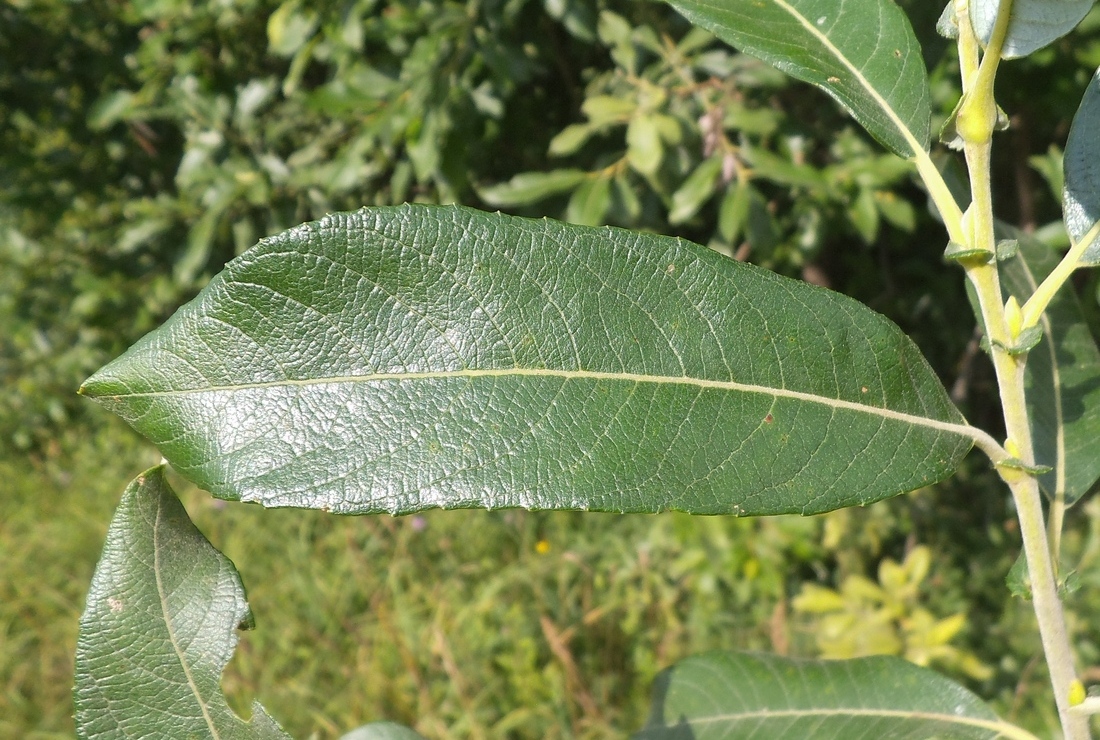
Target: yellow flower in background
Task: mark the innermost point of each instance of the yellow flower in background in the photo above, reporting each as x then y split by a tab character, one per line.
863	617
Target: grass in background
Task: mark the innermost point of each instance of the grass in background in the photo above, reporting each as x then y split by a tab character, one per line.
491	624
473	624
465	623
53	519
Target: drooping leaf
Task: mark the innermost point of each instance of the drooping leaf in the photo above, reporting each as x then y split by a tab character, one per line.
1081	202
570	139
863	53
589	202
644	147
159	627
531	187
1062	375
734	211
1034	23
729	696
395	359
863	215
382	731
696	190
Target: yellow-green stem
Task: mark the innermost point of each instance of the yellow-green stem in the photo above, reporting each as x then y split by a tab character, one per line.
1042	296
975	124
968	45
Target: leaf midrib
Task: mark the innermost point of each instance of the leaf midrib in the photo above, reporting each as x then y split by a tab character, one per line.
903	129
964	430
176	648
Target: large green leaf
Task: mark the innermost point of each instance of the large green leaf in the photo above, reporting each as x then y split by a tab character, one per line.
160	626
395	359
1081	202
1063	375
861	52
729	696
1034	23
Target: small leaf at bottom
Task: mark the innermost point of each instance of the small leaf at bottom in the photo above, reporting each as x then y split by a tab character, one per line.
159	627
742	695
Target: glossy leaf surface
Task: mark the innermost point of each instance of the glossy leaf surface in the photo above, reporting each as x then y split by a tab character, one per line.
1081	202
861	52
739	695
1034	24
160	626
1063	376
396	359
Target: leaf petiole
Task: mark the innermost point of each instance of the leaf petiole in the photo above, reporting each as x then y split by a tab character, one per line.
1035	306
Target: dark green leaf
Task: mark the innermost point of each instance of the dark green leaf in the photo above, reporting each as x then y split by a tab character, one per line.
734	696
1082	171
1034	24
861	52
1063	375
760	227
160	626
395	359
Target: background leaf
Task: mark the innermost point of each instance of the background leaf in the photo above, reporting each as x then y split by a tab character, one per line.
741	695
1081	202
159	628
1063	375
589	202
1034	24
861	52
530	187
696	190
395	359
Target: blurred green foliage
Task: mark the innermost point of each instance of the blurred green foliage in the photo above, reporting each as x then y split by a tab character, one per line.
144	143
